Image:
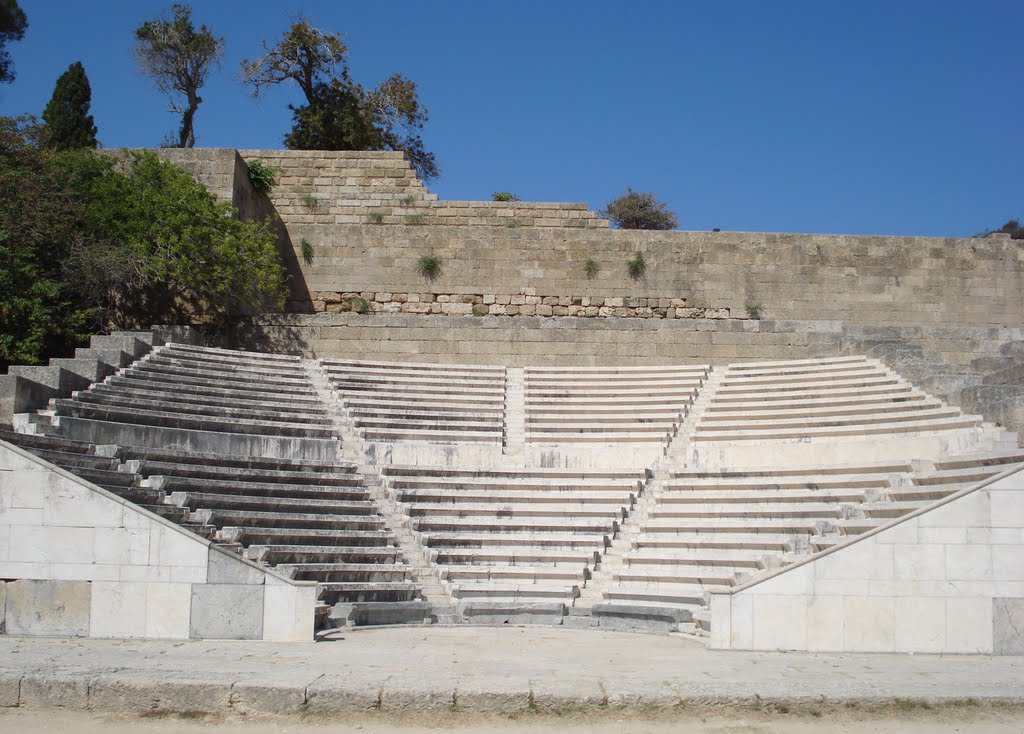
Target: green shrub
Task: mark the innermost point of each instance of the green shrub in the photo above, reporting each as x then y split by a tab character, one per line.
375	217
262	177
310	202
512	223
637	210
504	196
307	251
415	218
754	310
591	268
358	304
407	200
429	266
637	266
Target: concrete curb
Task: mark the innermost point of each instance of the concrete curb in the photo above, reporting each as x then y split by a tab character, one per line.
140	693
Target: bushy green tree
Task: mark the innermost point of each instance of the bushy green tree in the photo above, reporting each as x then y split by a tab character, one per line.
638	210
12	28
68	123
339	113
178	58
90	242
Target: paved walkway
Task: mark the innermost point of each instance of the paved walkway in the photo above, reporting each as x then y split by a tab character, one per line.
474	668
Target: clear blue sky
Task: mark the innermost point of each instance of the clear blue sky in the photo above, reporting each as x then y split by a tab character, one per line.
868	117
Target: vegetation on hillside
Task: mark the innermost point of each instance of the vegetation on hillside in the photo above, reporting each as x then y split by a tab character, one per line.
638	210
91	242
340	114
178	58
1012	228
69	125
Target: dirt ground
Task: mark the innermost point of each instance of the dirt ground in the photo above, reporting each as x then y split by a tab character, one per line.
892	719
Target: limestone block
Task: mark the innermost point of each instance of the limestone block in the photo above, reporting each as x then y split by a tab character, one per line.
167	610
226	612
39	544
780	622
3	607
123	546
57	692
1008	626
920	624
47	608
969	562
742	622
969	625
288	612
824	619
67	503
228	568
870	624
118	609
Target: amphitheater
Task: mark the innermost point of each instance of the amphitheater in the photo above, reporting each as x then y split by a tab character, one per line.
765	442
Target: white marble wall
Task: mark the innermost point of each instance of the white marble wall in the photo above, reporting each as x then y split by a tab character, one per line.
950	580
119	571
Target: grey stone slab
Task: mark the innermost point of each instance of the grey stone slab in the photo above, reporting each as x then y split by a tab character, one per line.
54	691
256	700
226	612
50	608
1008	626
145	692
10	689
227	568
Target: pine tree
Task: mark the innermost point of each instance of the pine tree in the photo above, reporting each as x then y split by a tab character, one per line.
69	125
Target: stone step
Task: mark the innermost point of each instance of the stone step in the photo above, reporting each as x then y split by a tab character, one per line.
756	543
821	395
817	474
73	461
293	520
453	423
265	380
573	427
538	473
512	591
454	523
182	462
484	496
514	483
749	497
597	414
345	572
187	407
741	411
790	526
868	379
531	542
797	368
277	504
105	477
780	510
241	369
33	442
247	388
514	556
756	421
228	390
963	475
466	369
307	536
609	437
775	433
679	573
453	436
403	406
623	371
609	402
428	382
845	374
334	592
670	394
231	354
139	495
178	475
529	574
892	509
669	594
448	390
992	458
278	405
734	558
276	555
112	414
469	510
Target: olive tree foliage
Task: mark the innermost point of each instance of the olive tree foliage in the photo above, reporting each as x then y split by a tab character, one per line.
339	113
12	28
638	210
68	122
92	242
178	58
1013	228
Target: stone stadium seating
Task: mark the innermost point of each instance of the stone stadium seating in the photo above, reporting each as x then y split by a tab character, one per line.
506	537
608	404
391	401
843	396
249	451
